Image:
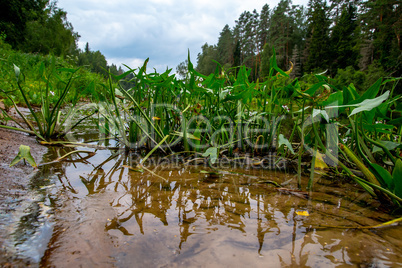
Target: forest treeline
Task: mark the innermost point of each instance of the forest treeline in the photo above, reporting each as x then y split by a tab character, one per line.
351	39
39	26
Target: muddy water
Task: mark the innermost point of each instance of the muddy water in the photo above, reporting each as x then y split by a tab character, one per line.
106	215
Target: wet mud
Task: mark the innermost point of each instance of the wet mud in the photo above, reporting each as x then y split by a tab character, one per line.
18	203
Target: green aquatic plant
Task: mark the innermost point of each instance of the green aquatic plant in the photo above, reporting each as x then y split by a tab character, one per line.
225	113
24	153
49	120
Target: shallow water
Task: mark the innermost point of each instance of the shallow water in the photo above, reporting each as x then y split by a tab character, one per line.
105	214
101	213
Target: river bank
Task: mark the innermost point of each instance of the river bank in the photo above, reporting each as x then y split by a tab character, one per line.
15	194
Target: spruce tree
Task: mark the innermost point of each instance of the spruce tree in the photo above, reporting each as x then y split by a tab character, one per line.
382	26
263	26
344	40
225	47
318	51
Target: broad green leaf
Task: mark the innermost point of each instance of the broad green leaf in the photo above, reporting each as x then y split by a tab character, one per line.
396	122
314	88
382	110
212	153
350	94
384	176
390	145
391	80
24	153
381	128
399	107
244	96
369	104
397	176
323	113
336	97
68	70
321	78
119	77
283	141
371	92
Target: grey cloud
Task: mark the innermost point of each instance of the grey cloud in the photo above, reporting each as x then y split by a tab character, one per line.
162	30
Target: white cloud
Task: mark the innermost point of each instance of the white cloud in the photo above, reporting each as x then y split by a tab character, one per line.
163	30
133	63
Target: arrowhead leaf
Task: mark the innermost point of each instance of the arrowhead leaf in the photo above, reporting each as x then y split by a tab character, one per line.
369	104
282	140
24	153
212	153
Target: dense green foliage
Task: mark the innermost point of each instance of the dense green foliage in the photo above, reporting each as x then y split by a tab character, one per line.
337	36
349	124
31	66
348	133
39	26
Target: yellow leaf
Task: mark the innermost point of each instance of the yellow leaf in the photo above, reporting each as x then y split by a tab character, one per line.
319	162
302	213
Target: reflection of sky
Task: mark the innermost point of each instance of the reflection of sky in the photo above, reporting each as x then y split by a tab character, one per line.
193	219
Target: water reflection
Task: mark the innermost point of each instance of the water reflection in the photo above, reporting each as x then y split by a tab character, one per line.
197	219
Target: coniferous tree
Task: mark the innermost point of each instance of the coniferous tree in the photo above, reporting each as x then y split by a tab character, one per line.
225	47
266	55
239	35
363	33
245	33
281	32
205	59
95	60
248	46
237	55
336	7
317	36
381	24
344	40
298	13
264	26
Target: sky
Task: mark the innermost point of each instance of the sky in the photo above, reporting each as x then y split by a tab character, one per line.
130	31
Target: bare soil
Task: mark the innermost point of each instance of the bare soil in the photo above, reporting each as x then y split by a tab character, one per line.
14	189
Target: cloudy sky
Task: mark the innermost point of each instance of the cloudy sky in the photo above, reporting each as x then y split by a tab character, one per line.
129	31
